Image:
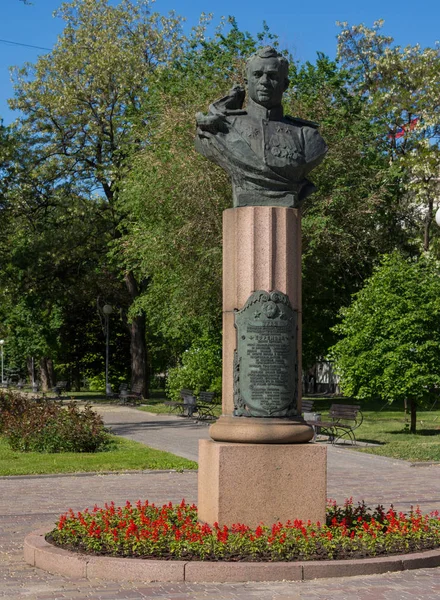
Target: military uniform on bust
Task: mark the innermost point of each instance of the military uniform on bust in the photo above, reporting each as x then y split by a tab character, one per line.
266	154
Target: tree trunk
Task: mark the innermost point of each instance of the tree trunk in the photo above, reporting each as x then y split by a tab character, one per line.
45	375
138	350
51	372
413	409
30	369
138	346
76	376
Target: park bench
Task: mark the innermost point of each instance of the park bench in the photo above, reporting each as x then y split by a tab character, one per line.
59	388
200	408
205	405
189	406
179	406
110	394
343	420
307	406
133	396
310	415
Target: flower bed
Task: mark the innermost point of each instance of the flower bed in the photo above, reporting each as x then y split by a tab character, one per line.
173	533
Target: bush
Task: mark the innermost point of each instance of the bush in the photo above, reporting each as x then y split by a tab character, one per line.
12	403
96	383
174	532
200	370
48	426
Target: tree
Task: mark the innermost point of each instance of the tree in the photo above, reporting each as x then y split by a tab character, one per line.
53	246
49	249
401	87
173	202
390	336
80	100
356	213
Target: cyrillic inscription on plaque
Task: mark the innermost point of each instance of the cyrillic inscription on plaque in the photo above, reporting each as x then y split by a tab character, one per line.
266	366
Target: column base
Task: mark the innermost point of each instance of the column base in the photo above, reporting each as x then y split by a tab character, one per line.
251	430
259	483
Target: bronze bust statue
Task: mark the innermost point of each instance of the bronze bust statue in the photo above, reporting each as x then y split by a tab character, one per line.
267	154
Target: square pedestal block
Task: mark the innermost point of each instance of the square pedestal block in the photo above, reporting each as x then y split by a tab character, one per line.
254	483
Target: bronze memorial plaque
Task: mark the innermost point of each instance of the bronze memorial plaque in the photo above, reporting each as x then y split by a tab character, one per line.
265	362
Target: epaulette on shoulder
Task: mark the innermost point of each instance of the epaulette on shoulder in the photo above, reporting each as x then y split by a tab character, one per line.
297	121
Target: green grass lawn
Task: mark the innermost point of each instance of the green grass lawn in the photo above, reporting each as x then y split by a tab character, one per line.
126	455
387	426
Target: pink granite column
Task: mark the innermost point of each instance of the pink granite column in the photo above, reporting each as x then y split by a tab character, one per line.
261	251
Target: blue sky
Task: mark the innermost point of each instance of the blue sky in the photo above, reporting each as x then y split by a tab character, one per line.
303	27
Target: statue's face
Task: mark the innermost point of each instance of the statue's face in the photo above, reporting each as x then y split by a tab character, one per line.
266	81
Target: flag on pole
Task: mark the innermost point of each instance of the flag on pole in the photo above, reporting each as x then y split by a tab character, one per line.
400	131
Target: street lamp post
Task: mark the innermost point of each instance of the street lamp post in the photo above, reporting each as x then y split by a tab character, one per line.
1	346
107	309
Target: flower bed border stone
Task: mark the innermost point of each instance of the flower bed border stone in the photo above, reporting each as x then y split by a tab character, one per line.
41	554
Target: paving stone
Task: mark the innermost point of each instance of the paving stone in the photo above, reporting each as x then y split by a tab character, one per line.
28	503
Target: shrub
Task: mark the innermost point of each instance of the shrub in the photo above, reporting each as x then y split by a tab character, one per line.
200	369
173	532
96	383
12	403
48	426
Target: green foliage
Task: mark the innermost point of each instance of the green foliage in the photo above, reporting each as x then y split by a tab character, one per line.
401	88
78	107
390	339
200	370
97	382
174	533
31	426
124	81
79	100
356	213
171	233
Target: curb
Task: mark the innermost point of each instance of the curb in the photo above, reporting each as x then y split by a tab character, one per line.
41	554
98	473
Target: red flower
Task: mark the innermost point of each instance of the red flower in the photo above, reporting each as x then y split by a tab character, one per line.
258	531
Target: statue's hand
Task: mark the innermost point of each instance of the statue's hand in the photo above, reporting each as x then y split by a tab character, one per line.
211	123
231	103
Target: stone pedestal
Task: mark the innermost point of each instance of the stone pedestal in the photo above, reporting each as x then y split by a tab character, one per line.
260	468
253	483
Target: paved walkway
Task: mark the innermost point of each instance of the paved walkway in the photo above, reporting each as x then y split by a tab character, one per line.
27	503
376	479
